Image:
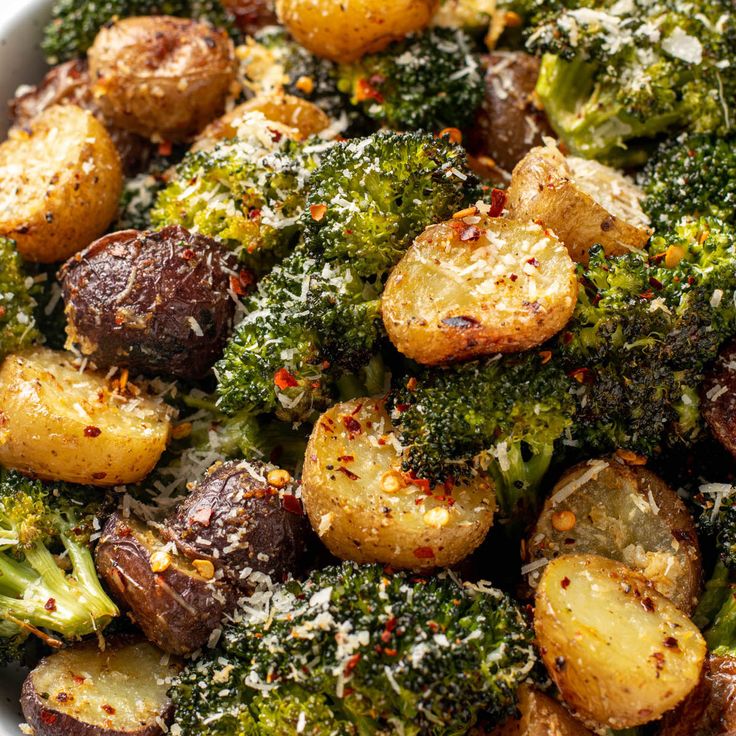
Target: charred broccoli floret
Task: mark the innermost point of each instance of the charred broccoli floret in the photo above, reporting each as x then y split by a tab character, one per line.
428	81
616	73
75	23
357	650
38	521
691	175
18	293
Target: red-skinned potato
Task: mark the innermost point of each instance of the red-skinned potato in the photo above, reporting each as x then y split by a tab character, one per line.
85	691
252	15
718	398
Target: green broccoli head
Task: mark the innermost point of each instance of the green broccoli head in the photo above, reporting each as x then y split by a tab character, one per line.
75	23
18	293
691	175
38	521
247	192
614	74
429	81
358	650
503	414
370	198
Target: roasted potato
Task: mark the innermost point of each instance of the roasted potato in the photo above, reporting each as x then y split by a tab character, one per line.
69	84
509	122
718	398
177	603
346	31
478	285
252	15
59	423
365	509
620	653
540	715
87	691
157	302
710	709
629	514
582	201
301	117
60	182
161	77
243	517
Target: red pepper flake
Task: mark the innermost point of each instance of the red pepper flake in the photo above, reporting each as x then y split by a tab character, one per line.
582	375
533	262
390	652
671	643
78	679
402	407
348	473
421	483
283	379
99	476
292	504
108	709
318	211
646	294
187	254
448	485
165	148
656	283
567	338
545	355
2	312
346	458
565	582
254	214
92	431
202	515
237	286
470	234
276	135
48	717
351	664
411	384
648	604
351	424
498	202
50	604
367	91
424	553
658	658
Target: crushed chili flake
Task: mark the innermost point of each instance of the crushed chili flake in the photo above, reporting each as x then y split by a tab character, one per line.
50	604
48	717
292	504
92	431
99	476
648	604
565	582
581	375
165	148
187	254
390	652
411	384
670	642
352	663
546	356
351	424
367	91
424	553
108	709
283	379
349	473
498	202
656	283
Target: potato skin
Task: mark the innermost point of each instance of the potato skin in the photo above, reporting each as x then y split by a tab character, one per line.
59	424
720	411
58	697
60	183
176	607
349	459
156	302
245	523
345	31
626	513
544	188
710	710
476	286
69	84
619	652
252	15
508	123
161	77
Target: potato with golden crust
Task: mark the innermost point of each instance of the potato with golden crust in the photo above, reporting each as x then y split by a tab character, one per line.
87	691
243	516
627	513
478	285
161	77
157	302
60	183
583	202
620	653
60	423
177	603
346	30
365	509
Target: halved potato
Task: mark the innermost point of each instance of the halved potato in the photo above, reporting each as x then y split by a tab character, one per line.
620	653
627	513
345	31
478	285
300	117
177	606
60	183
88	691
583	202
365	509
59	423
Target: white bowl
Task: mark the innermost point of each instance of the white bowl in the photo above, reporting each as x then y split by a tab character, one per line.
21	62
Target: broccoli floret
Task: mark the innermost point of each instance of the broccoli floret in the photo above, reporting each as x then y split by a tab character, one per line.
357	650
613	74
691	175
428	81
370	198
247	192
38	521
18	293
75	23
502	414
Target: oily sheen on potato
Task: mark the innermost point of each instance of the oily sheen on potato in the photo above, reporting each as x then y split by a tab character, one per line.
59	423
478	285
620	653
583	202
365	509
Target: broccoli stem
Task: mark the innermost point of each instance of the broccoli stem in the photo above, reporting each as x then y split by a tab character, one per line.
717	590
